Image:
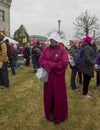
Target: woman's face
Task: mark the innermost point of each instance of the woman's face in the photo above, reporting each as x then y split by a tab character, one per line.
77	44
53	42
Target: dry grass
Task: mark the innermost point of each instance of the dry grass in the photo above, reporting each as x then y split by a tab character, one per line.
21	105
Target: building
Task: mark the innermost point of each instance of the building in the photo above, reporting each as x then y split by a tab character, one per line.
5	16
5	21
39	38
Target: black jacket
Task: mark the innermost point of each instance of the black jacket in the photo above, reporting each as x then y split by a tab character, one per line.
26	52
88	56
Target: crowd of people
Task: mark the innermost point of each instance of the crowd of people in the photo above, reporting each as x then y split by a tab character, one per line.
55	58
11	54
90	63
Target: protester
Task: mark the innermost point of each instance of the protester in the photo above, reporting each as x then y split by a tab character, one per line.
4	80
94	48
44	45
26	54
10	56
74	68
54	59
21	49
80	75
88	64
97	62
16	61
36	52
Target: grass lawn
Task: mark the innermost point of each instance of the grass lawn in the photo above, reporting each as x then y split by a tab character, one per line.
21	105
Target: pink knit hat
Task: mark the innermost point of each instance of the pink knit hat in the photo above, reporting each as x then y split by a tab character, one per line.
87	39
74	42
34	43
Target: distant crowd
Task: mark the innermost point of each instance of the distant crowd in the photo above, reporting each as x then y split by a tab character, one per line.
30	53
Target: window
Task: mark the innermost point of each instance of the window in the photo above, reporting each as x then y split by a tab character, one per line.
1	15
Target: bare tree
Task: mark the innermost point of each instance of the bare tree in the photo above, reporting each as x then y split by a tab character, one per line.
85	25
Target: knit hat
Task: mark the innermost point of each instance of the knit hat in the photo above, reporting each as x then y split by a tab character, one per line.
34	43
74	42
88	39
55	36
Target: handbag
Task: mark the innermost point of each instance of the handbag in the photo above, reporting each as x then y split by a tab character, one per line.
71	60
42	75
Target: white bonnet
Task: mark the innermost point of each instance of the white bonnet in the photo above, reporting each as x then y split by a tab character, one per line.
55	36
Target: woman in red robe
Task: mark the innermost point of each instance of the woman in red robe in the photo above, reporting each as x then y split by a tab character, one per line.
54	59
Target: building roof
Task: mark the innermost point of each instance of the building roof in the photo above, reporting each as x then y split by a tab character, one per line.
38	36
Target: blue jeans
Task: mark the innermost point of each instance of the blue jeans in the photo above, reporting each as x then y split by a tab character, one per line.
35	61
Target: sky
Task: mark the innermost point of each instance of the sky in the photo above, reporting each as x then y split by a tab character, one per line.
40	17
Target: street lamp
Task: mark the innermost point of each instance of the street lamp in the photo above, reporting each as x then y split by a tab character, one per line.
59	26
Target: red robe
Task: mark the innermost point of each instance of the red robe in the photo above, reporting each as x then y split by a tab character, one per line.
55	61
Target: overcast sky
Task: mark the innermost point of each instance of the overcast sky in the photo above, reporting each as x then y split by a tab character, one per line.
41	16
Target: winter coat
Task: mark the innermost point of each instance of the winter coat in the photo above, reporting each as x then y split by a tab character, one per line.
71	53
26	52
55	61
88	56
3	52
36	51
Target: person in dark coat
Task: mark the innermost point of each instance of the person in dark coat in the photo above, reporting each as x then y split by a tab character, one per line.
74	68
10	56
87	66
97	62
26	54
36	52
80	75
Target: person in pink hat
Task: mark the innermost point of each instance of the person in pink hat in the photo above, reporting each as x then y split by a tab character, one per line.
80	75
34	43
88	39
88	64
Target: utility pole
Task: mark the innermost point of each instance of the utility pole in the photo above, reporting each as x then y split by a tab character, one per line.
59	26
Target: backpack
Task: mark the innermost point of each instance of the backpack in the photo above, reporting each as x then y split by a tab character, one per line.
78	57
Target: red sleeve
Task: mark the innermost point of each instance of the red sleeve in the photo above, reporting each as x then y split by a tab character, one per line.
59	66
63	63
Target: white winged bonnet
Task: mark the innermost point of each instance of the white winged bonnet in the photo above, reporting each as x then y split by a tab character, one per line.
55	36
